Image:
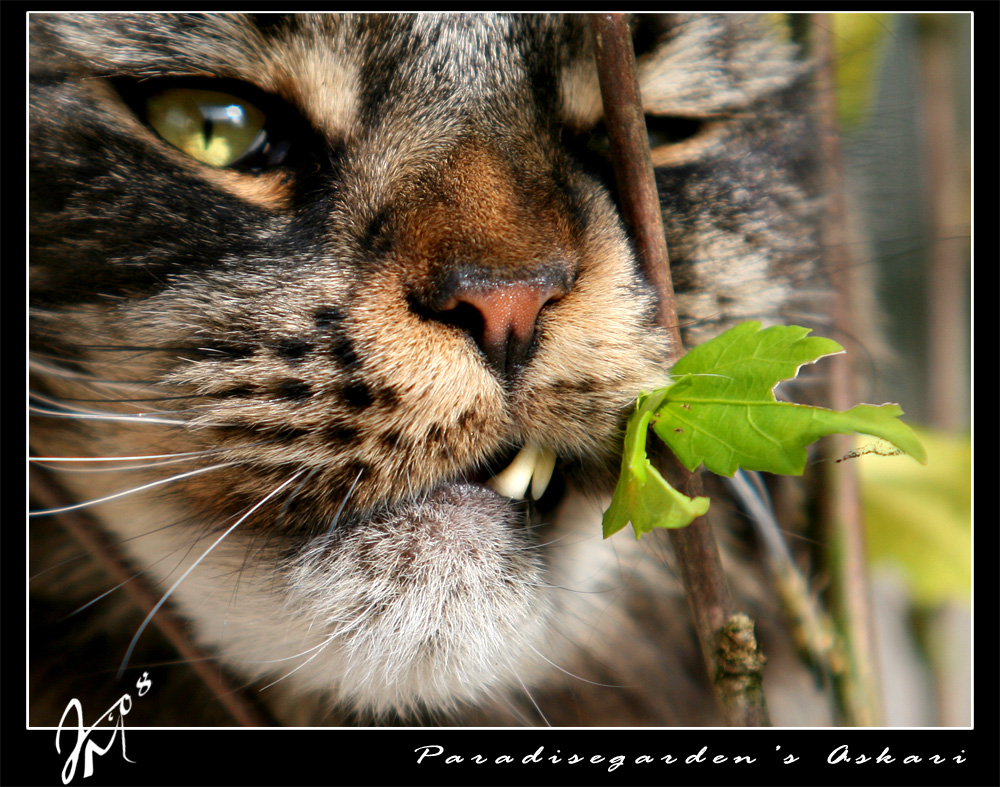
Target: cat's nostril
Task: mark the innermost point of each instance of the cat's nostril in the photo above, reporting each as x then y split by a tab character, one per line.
500	316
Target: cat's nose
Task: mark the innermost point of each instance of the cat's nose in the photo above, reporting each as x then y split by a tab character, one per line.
500	316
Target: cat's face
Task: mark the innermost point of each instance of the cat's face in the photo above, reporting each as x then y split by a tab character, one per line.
335	273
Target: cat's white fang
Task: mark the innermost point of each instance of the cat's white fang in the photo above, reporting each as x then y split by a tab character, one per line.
514	479
533	465
544	465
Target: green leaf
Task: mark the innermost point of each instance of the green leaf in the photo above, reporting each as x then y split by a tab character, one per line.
643	496
919	519
721	411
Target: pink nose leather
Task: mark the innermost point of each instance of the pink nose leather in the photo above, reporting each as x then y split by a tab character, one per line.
509	312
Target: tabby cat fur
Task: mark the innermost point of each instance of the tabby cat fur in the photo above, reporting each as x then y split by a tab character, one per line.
307	356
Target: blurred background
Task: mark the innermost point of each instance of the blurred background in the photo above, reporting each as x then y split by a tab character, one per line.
904	84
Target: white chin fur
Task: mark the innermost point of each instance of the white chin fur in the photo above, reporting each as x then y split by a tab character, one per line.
434	605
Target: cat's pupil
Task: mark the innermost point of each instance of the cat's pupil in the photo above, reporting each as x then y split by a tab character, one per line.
214	128
660	130
671	130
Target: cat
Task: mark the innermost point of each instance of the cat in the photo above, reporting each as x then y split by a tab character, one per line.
307	284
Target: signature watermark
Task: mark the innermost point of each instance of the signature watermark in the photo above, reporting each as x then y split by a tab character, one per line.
115	714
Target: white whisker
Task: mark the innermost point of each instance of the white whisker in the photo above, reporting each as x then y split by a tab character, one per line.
183	454
67	406
105	594
57	464
318	648
50	370
81	415
567	672
528	694
196	563
161	482
340	508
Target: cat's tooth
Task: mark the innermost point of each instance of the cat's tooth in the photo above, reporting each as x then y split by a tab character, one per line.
544	465
532	466
514	479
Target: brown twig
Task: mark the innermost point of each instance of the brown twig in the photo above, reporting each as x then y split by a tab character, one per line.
633	163
86	533
697	552
841	508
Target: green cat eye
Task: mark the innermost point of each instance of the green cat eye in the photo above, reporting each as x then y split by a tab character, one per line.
214	128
